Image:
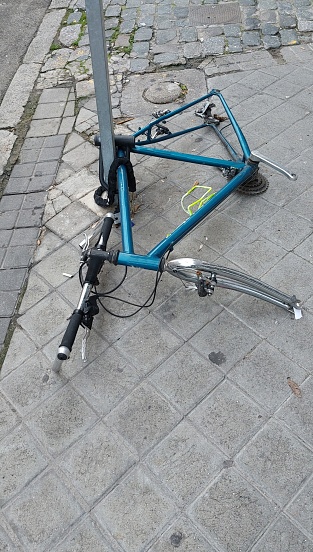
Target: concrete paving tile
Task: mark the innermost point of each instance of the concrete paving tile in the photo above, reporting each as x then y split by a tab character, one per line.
83	155
6	543
8	300
297	414
263	375
143	418
135	511
21	348
21	461
46	319
228	417
301	508
79	184
305	249
185	462
37	526
36	290
223	232
224	341
23	170
50	154
293	339
181	307
29	218
46	167
49	95
86	537
61	420
286	229
182	534
96	463
5	240
106	381
4	326
40	183
8	220
49	110
283	533
291	462
186	378
17	185
31	383
232	513
18	256
67	125
8	418
48	243
24	236
63	260
251	211
148	344
11	202
255	254
262	317
46	127
292	275
71	221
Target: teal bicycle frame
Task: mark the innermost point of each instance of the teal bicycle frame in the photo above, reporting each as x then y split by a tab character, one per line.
241	165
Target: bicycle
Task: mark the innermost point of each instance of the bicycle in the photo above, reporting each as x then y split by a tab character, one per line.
241	172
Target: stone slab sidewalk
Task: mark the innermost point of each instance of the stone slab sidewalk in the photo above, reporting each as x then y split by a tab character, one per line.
173	434
180	431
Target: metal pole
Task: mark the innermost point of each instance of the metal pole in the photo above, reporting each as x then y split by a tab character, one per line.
99	58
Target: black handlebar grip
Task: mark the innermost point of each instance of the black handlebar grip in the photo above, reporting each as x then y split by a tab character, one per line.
106	230
70	334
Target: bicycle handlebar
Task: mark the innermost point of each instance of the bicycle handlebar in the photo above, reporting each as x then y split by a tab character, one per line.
70	334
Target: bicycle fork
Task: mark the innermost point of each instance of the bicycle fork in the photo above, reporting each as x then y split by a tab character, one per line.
87	306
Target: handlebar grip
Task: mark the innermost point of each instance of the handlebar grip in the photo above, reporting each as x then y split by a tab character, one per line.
70	334
106	230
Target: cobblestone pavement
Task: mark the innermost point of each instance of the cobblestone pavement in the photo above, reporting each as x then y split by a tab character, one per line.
180	431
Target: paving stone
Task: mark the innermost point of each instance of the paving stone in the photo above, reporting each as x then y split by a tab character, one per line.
44	127
8	300
71	221
23	170
24	236
37	526
96	463
143	418
4	326
61	420
222	414
232	513
185	462
21	348
31	383
178	308
298	414
255	255
21	461
86	537
263	375
9	418
83	155
40	183
251	38
283	531
46	319
135	511
224	341
184	535
49	110
288	37
301	507
8	219
299	284
6	543
287	456
214	45
18	256
53	267
12	279
17	185
161	344
106	393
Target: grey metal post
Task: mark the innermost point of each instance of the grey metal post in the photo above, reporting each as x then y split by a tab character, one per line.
99	58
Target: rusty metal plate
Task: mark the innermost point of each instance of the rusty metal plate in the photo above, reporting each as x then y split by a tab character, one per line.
215	14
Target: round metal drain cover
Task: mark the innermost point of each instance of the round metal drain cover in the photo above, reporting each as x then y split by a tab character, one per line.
162	92
215	14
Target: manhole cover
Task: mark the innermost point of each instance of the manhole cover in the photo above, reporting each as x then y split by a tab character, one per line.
215	14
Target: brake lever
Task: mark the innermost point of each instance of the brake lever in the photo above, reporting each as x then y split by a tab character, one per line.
256	157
